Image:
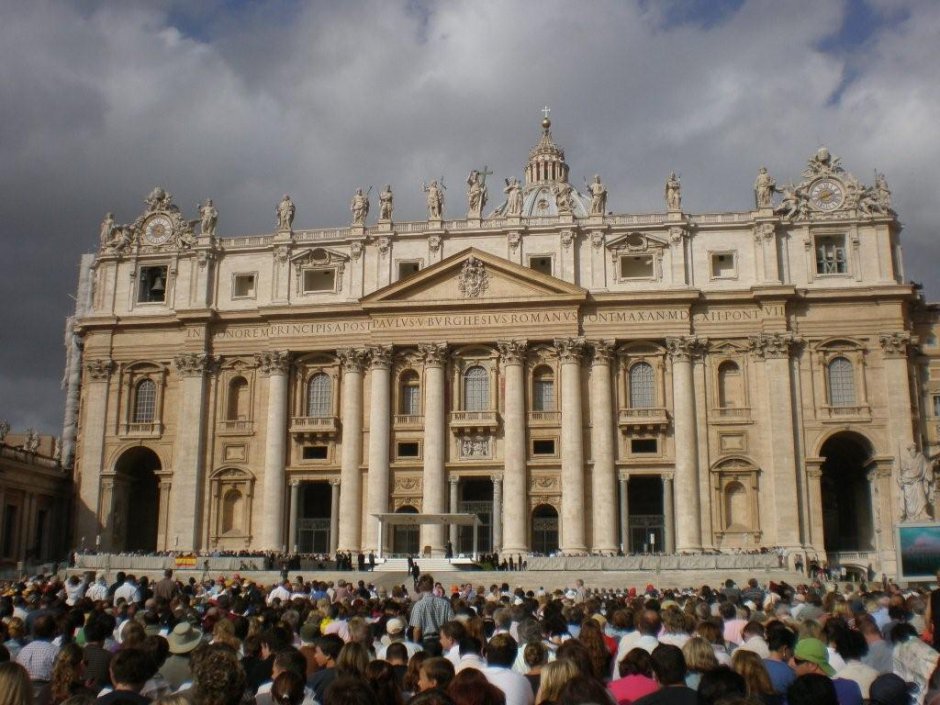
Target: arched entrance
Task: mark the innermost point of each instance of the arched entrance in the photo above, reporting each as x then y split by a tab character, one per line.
406	539
135	502
846	493
544	529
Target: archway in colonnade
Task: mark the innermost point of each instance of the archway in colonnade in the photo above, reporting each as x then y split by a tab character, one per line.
135	502
846	493
544	529
406	540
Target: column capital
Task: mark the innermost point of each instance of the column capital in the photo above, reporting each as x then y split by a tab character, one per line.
380	357
896	344
99	370
773	345
511	352
603	351
434	354
684	348
194	364
353	359
623	477
294	484
273	362
569	349
497	478
334	483
453	479
667	476
764	231
814	473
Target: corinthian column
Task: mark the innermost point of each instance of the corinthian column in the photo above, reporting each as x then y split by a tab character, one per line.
188	462
497	513
894	348
350	499
688	522
572	447
603	479
94	412
516	506
380	412
435	444
274	365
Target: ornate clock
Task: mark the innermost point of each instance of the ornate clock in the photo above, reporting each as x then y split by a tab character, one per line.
158	230
826	194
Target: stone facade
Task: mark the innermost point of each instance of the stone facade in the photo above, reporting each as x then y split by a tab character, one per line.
586	381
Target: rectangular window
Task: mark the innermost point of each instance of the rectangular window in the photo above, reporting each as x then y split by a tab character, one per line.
936	405
408	449
315	452
152	285
723	265
830	254
319	280
543	446
643	446
543	395
406	269
411	400
636	267
541	264
243	286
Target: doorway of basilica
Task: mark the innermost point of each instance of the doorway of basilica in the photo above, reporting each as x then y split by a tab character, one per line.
406	540
313	525
647	518
135	501
476	498
846	493
544	530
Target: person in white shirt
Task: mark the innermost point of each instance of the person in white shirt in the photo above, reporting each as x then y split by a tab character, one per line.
280	591
287	659
500	654
645	637
128	591
98	590
753	635
451	634
470	648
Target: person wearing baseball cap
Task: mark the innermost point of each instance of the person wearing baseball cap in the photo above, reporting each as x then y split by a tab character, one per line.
811	657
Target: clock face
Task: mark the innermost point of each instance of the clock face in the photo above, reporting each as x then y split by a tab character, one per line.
158	230
826	194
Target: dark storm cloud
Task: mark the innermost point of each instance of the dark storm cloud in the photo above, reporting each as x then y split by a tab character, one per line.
244	101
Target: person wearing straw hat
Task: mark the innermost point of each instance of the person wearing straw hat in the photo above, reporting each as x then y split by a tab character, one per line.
183	640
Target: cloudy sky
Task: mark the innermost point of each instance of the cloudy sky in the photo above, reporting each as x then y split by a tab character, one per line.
243	101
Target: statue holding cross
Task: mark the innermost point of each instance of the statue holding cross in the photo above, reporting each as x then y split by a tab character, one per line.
476	192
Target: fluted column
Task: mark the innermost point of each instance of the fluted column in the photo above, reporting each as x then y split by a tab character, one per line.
688	522
894	348
669	522
94	412
294	513
350	500
274	365
624	513
334	515
380	414
572	447
435	443
815	509
189	450
452	529
603	478
515	510
775	351
497	513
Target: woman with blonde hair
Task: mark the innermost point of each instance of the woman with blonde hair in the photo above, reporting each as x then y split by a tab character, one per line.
751	667
15	688
554	677
353	660
68	674
711	632
16	629
699	658
224	633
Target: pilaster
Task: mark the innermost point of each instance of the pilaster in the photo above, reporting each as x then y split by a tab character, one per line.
91	464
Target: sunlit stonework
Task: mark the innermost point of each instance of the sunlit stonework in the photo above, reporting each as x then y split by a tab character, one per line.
583	379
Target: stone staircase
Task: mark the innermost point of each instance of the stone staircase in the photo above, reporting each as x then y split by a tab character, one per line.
426	565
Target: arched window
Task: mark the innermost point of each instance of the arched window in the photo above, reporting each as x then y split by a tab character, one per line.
409	401
232	504
642	387
145	401
841	378
476	389
736	514
319	396
730	387
237	400
543	390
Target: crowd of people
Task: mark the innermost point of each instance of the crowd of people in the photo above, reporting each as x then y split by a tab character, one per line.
231	641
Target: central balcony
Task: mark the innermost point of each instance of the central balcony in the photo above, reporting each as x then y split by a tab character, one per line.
650	418
314	426
473	421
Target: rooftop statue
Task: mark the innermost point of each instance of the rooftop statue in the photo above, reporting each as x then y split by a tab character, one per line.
673	193
285	213
476	194
513	193
208	217
598	196
107	227
916	481
435	200
359	207
764	189
563	198
386	203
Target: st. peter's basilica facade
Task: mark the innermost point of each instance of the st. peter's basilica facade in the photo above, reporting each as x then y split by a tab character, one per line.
583	381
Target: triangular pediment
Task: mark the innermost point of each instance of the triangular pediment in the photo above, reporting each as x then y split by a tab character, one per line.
473	276
637	242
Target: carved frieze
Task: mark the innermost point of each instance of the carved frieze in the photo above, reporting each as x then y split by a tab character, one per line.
434	242
514	238
399	502
355	250
567	237
545	483
406	484
273	362
473	279
475	447
597	239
